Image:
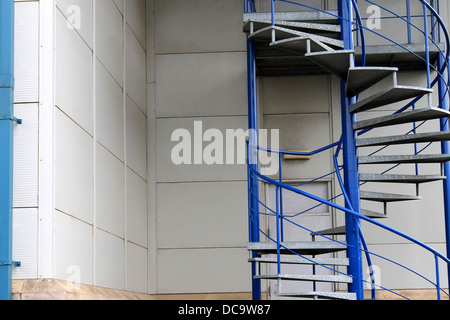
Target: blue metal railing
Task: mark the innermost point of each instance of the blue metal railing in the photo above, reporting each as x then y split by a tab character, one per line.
279	216
433	33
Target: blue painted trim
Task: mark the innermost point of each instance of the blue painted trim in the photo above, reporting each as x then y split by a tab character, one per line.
351	178
6	144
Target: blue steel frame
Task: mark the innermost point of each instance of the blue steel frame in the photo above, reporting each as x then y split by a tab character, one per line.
6	144
350	187
253	195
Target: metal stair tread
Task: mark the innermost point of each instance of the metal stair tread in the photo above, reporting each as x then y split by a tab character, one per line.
337	62
386	197
299	45
262	23
373	214
331	231
399	178
390	95
312	16
362	78
300	260
320	295
404	139
394	159
428	113
299	247
307	277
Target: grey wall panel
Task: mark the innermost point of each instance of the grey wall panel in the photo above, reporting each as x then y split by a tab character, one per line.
109	260
136	202
73	249
199	26
109	37
136	266
110	189
74	171
74	75
203	214
136	138
109	112
136	19
203	270
79	15
282	95
135	70
167	171
207	84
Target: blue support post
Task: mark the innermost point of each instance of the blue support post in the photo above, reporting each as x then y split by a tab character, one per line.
351	178
6	144
445	149
253	157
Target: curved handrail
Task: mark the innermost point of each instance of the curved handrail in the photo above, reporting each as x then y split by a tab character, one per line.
362	28
347	210
341	208
441	72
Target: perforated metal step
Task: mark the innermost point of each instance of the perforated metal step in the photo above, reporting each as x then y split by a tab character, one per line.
362	78
257	24
398	178
300	247
332	231
300	260
404	139
329	17
386	197
429	113
307	277
337	62
390	95
419	158
373	214
320	295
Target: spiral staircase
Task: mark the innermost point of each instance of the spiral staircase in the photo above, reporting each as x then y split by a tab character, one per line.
305	42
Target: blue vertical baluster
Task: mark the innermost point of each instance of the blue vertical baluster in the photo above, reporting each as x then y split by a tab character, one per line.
427	48
272	10
277	196
280	172
6	144
438	285
433	22
408	13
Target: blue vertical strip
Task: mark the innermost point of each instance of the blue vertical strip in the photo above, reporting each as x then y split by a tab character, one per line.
445	149
6	143
351	178
253	154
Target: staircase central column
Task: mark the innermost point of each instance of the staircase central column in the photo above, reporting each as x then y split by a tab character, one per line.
253	155
351	175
